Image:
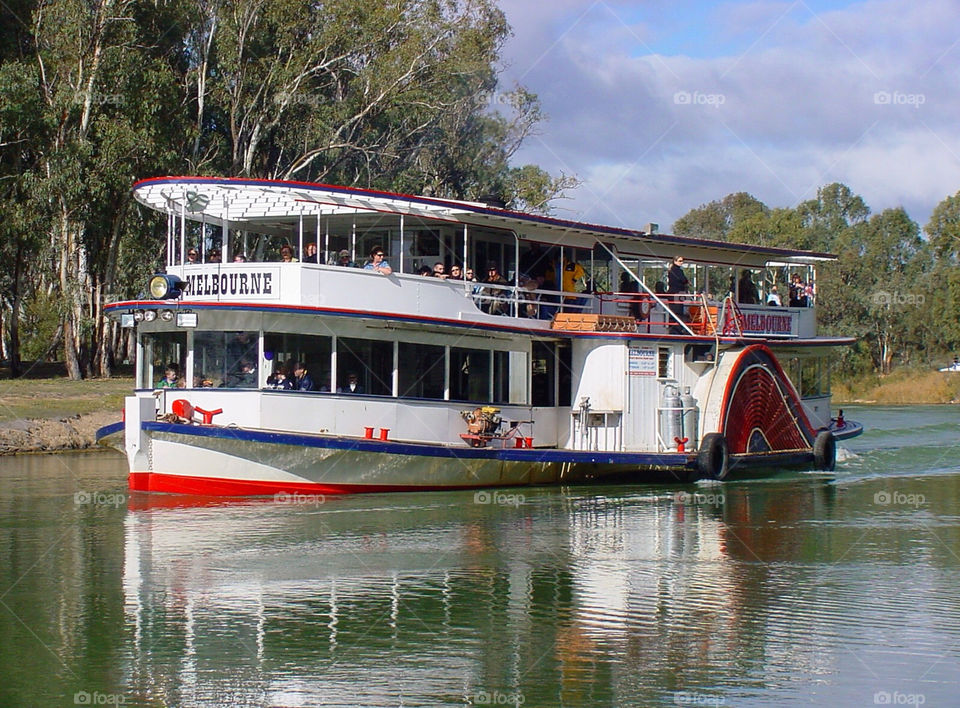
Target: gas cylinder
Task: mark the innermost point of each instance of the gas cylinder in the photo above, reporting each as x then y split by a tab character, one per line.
671	423
691	418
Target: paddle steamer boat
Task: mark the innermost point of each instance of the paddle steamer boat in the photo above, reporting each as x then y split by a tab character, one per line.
575	366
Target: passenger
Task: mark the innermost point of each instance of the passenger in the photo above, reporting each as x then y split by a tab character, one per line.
469	275
425	271
677	283
343	259
808	293
773	297
278	380
301	380
244	377
170	378
310	253
353	384
630	286
239	258
798	296
529	305
377	262
213	256
573	274
192	256
456	273
286	255
438	271
494	301
746	290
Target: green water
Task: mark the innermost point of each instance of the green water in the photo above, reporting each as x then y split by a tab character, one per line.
804	588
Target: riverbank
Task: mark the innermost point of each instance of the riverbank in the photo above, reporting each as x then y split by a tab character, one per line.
902	387
45	411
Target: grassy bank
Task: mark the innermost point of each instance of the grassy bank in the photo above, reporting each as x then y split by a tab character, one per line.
46	393
901	387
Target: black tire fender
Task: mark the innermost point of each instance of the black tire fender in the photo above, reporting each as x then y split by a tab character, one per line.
713	459
825	451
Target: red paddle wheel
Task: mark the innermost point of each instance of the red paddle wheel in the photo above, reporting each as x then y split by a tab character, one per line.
761	411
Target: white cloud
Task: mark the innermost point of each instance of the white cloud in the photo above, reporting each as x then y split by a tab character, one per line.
774	99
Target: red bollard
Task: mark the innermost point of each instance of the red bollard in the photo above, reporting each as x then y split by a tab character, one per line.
368	433
681	444
383	433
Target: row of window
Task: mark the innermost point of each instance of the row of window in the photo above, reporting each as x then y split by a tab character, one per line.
369	366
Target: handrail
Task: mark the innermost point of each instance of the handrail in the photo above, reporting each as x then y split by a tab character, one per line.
650	292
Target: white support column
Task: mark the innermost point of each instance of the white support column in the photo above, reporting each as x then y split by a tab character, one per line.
401	243
395	378
183	229
225	236
300	237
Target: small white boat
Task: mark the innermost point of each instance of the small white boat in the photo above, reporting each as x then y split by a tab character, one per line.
427	383
954	367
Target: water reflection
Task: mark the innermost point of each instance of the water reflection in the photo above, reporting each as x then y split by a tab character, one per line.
798	588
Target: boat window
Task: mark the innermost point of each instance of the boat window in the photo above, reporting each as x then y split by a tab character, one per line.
564	373
469	374
510	377
420	370
160	350
543	374
814	377
664	367
225	359
284	350
371	360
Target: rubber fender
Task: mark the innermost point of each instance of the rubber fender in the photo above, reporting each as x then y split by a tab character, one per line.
825	451
713	460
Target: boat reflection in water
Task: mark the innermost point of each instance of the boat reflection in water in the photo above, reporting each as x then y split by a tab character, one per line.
537	598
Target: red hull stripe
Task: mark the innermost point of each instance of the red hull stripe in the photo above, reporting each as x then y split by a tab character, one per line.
214	487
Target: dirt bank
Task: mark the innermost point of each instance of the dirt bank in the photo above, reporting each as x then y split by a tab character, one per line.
48	435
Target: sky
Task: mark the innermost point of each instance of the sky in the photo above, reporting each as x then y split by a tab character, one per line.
660	106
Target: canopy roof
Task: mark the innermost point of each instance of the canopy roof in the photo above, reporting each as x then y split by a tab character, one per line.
276	206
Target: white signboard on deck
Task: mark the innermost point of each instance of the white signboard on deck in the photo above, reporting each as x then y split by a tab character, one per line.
255	282
642	361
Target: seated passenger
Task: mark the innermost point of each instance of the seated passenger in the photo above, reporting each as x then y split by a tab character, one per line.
243	377
456	273
278	380
213	256
170	378
494	301
286	255
438	271
353	384
301	378
343	259
377	262
310	253
425	271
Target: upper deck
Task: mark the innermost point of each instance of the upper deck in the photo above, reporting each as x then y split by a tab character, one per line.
549	266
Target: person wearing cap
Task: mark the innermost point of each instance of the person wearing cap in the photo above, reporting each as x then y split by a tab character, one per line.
343	259
494	302
377	262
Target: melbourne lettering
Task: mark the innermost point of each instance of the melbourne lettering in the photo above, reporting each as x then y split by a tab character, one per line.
234	283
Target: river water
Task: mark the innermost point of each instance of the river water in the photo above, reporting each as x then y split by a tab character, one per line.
802	588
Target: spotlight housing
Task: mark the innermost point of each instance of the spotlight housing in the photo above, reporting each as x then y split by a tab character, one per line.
149	315
166	287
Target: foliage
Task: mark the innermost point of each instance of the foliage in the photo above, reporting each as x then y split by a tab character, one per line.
897	292
97	94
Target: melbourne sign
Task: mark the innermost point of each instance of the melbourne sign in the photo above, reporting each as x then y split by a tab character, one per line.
259	283
772	323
